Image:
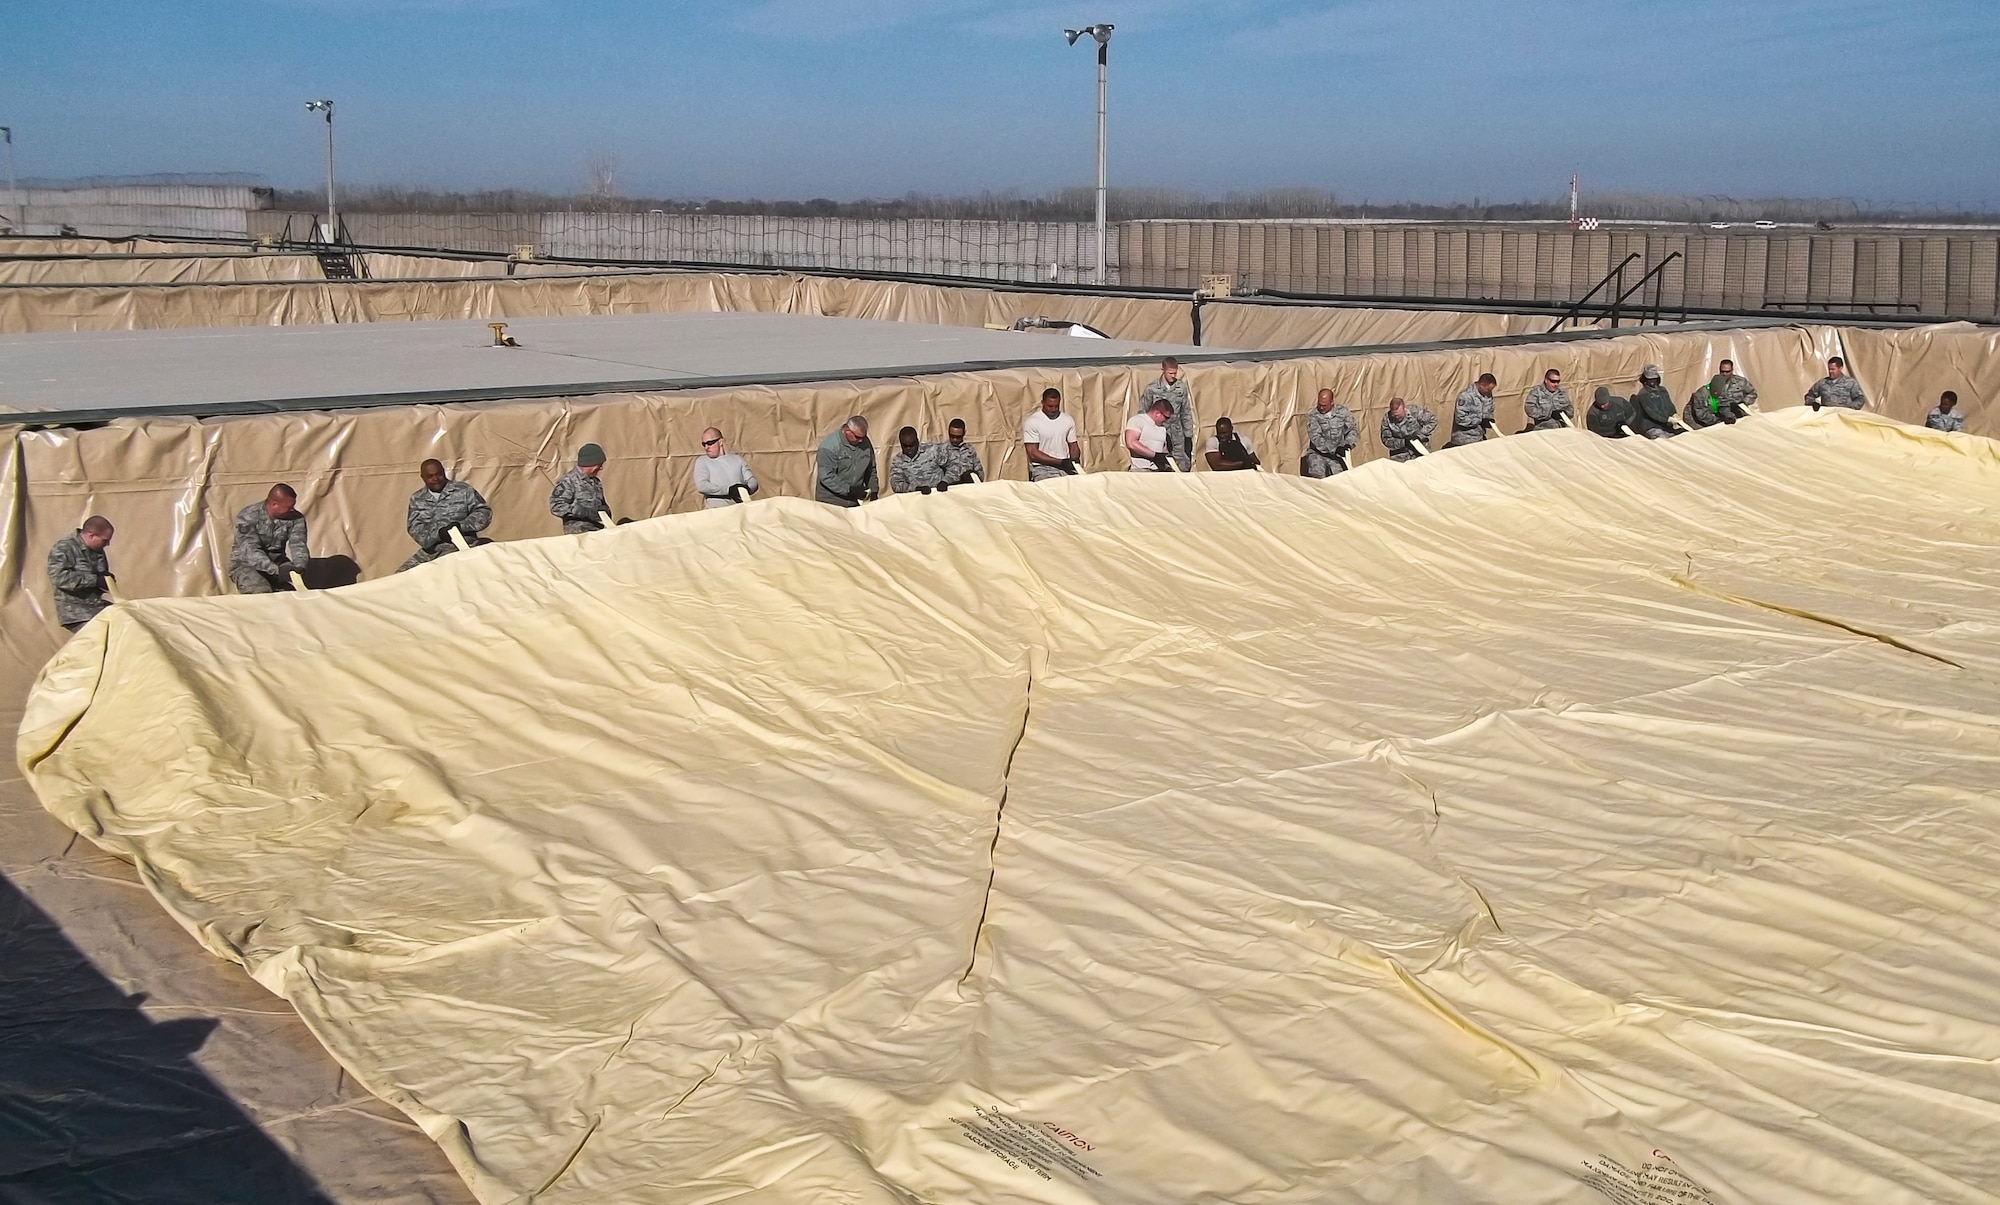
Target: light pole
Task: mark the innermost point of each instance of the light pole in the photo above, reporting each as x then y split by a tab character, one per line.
13	191
332	219
1102	33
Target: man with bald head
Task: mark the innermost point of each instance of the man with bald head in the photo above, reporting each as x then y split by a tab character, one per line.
270	543
80	573
439	508
1331	433
721	477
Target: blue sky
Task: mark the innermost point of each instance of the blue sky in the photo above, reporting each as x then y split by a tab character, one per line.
1890	103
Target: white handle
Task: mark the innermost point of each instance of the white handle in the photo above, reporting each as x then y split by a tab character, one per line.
458	538
604	517
1417	446
299	582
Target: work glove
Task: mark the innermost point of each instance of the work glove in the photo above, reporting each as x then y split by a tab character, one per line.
942	487
1069	465
740	493
1160	462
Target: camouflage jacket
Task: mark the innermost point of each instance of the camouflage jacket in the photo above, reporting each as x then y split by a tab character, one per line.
1416	427
273	547
1733	390
1837	391
1543	404
1328	433
958	462
1472	411
1938	420
910	474
456	505
576	500
76	576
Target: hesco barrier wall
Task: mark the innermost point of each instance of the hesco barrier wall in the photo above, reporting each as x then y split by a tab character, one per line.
1933	272
250	266
173	486
1928	271
1053	252
116	211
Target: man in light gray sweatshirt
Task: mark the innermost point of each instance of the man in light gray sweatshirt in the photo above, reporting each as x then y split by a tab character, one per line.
721	477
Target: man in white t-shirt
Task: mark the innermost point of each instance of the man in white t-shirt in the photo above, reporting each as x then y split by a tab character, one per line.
1229	450
1146	437
1049	437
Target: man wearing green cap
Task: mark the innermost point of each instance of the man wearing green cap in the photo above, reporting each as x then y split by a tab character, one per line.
578	497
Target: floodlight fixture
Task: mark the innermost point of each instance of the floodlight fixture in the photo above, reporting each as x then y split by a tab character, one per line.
1101	33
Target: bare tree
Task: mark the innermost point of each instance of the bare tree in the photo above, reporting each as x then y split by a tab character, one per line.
600	180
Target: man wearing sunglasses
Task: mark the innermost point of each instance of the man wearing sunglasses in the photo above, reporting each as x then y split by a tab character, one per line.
721	477
1547	405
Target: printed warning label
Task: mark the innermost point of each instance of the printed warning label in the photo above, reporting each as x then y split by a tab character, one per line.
1043	1148
1655	1182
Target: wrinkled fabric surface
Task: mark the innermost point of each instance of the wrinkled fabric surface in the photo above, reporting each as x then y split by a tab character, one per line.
1563	819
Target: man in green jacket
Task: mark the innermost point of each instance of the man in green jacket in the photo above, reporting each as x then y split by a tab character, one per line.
846	472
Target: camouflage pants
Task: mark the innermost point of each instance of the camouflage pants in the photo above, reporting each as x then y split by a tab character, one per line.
253	581
1313	464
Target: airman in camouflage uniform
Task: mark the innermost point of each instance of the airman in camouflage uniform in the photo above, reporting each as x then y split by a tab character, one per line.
578	496
80	573
1944	416
1546	402
913	466
1723	400
958	461
1404	425
1330	430
270	543
1836	388
1472	413
1180	424
437	508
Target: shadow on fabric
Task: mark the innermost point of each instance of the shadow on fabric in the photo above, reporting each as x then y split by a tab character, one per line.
99	1103
330	572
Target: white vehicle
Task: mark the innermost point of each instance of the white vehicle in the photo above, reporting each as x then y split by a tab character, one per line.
1766	224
